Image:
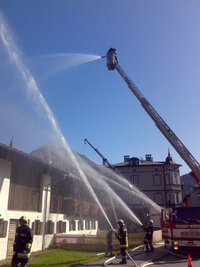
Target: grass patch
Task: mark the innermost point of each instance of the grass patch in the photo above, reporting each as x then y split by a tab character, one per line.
61	258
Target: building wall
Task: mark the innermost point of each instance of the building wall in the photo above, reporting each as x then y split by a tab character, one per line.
5	167
160	182
30	187
99	242
195	197
18	193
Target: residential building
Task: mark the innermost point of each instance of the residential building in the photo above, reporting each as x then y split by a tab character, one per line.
159	180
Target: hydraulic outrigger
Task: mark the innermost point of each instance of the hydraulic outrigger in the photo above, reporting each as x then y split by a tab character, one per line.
112	64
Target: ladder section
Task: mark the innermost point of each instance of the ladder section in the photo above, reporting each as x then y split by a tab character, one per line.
162	125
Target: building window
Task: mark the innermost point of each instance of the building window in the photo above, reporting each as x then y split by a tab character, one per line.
72	225
175	198
135	180
24	198
57	203
169	198
80	225
61	227
93	225
3	228
37	227
134	162
131	199
87	225
168	179
49	227
177	179
157	179
158	198
179	197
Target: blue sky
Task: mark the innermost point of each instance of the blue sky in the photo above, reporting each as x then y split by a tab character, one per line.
158	46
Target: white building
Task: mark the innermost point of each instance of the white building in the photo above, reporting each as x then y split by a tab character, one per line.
33	188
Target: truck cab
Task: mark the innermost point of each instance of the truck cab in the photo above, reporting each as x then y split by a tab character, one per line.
181	227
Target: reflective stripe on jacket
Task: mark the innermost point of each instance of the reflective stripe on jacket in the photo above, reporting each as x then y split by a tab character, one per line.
149	233
23	255
123	237
23	242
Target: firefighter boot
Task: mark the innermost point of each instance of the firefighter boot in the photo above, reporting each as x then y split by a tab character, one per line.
124	260
151	247
147	248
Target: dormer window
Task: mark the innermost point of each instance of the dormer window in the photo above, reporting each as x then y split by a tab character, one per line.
133	161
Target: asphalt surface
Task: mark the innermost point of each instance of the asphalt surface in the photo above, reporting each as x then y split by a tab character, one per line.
176	261
140	258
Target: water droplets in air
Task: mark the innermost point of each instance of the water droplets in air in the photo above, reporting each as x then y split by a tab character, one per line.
101	184
52	64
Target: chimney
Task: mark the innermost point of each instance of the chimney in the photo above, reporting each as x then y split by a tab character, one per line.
12	143
126	158
149	157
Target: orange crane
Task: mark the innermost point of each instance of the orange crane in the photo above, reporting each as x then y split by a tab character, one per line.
112	64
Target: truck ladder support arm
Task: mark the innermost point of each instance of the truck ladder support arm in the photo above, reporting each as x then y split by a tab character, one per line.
99	153
162	126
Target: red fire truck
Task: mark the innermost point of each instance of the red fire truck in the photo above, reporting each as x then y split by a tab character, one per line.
112	64
181	227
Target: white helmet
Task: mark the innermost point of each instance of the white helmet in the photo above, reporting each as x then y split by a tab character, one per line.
23	219
120	222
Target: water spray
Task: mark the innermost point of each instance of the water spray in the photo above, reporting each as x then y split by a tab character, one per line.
32	87
136	192
110	191
51	64
114	211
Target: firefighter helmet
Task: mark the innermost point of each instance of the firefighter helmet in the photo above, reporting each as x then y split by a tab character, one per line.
120	222
23	219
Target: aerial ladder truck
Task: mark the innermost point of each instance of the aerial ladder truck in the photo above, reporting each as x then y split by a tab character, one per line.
112	64
181	228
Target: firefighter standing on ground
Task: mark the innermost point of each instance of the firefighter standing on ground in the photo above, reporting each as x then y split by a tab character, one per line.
149	237
109	239
122	236
22	243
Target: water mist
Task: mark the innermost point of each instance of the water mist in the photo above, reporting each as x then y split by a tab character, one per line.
104	179
33	89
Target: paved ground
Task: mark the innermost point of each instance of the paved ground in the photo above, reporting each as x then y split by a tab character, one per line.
139	256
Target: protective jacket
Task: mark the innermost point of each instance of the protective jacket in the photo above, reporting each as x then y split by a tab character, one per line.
109	238
122	236
149	233
23	242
